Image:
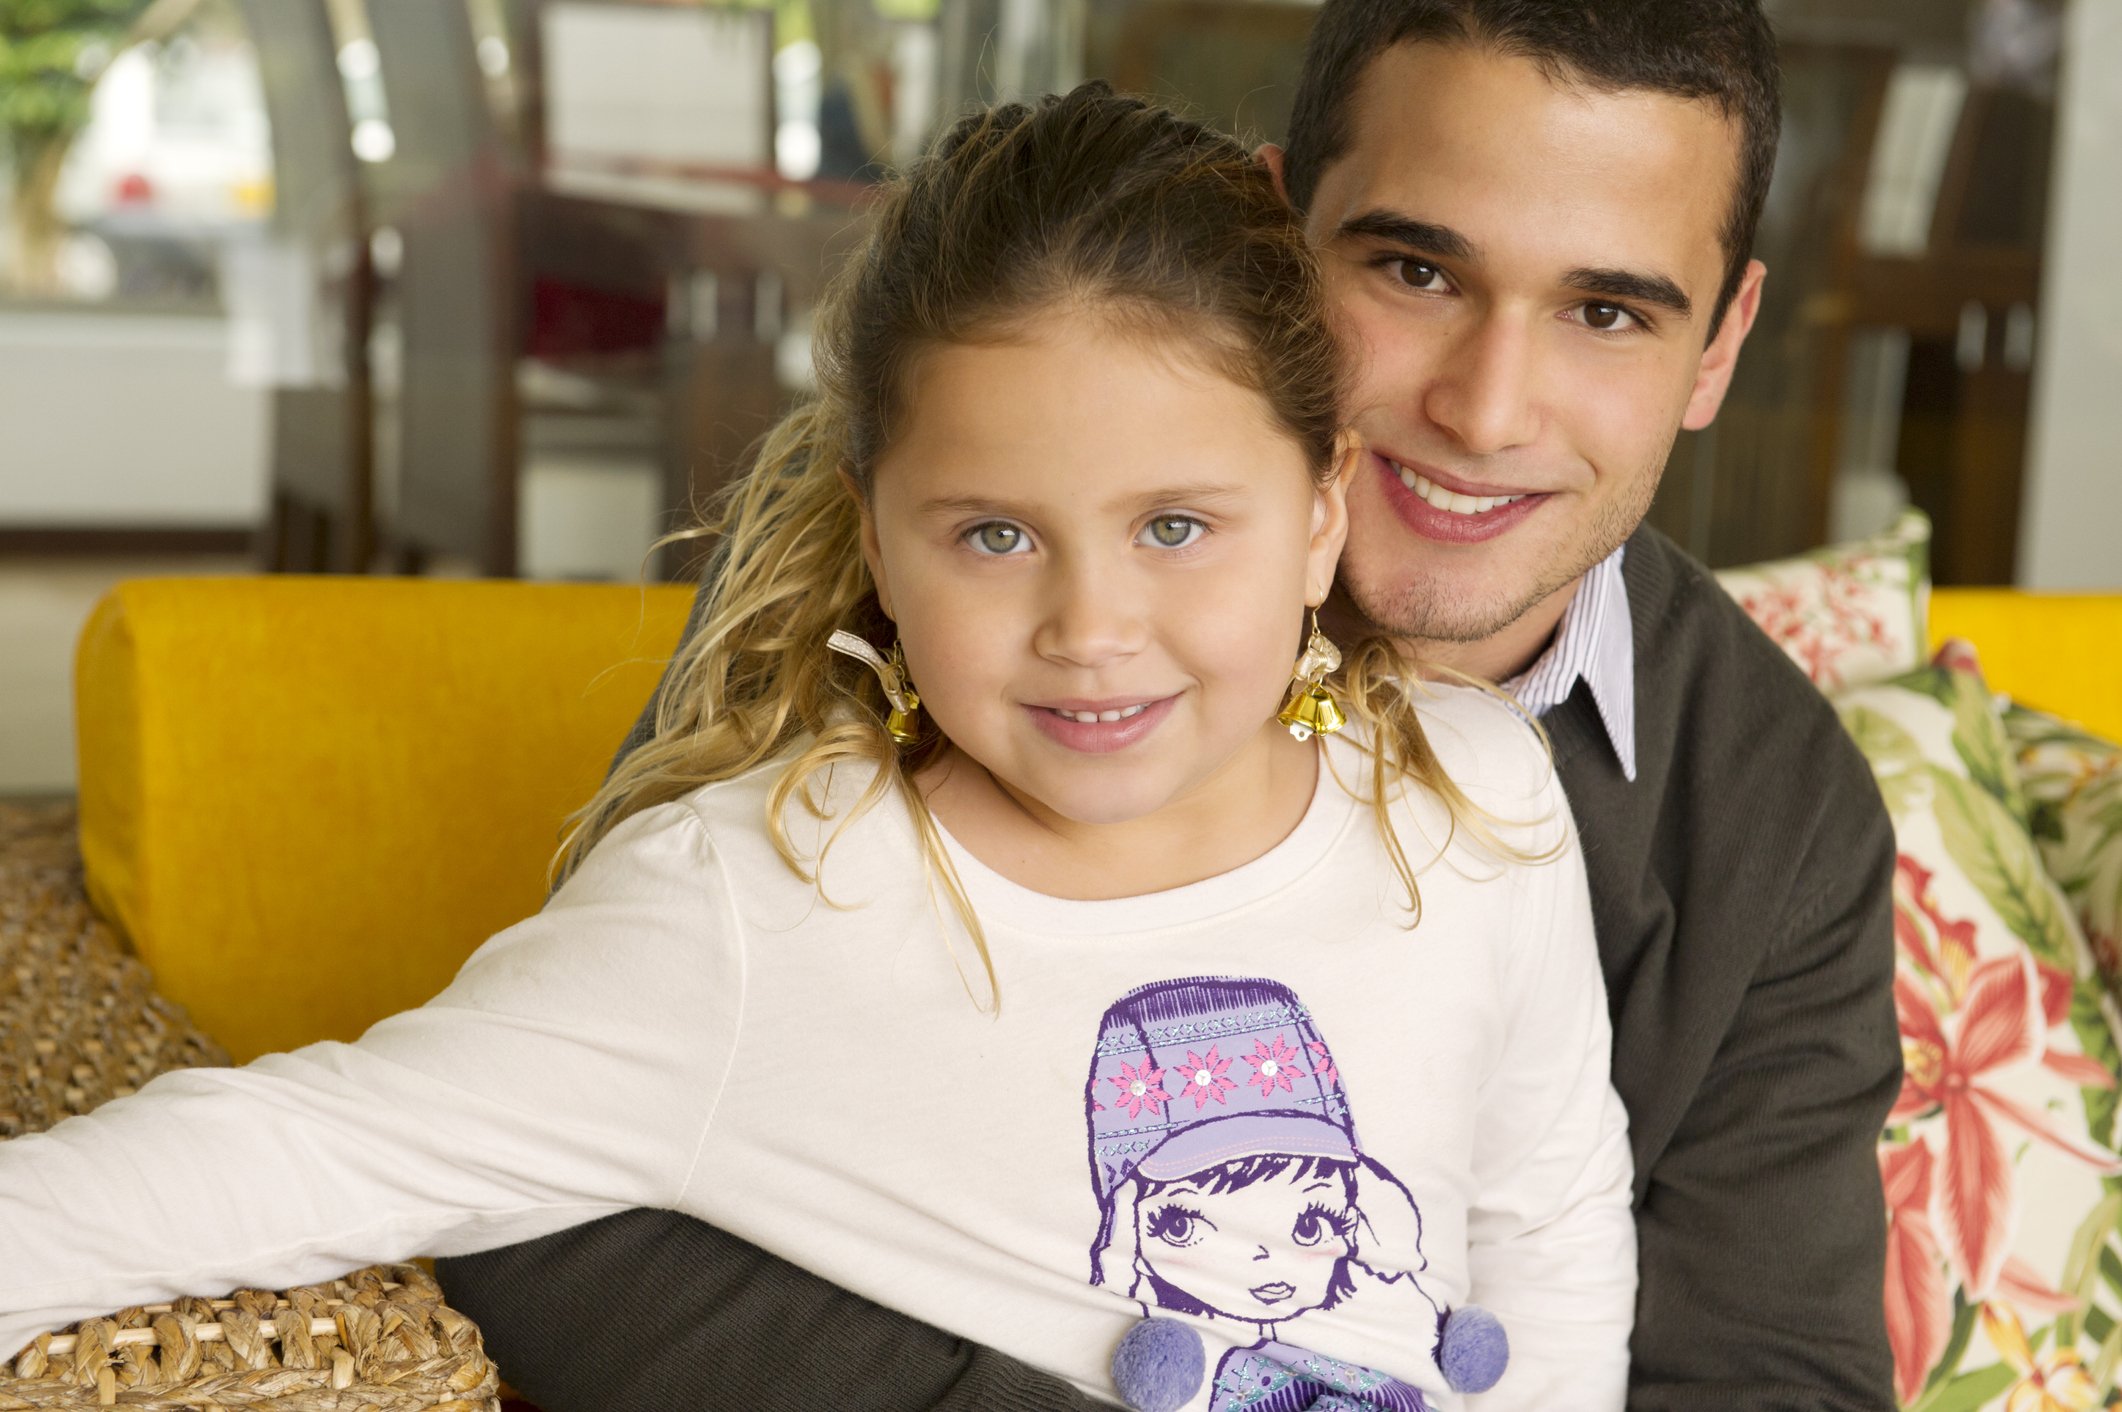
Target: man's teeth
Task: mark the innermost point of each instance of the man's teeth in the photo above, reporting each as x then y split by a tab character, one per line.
1087	717
1437	497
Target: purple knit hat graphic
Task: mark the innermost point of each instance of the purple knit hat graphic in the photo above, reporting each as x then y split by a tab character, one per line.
1192	1073
1232	1186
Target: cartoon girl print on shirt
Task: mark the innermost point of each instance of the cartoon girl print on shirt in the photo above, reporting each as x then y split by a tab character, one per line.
1232	1186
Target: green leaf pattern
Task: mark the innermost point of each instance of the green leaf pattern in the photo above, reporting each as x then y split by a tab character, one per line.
2073	782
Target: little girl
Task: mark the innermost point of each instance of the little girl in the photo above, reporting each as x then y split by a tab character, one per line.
975	762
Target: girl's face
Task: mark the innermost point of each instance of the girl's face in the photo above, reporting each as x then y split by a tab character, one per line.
1263	1253
1099	554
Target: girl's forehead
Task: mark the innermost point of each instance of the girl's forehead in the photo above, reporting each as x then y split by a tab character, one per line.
1077	411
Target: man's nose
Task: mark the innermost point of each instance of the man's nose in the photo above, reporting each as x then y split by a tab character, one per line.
1093	615
1483	391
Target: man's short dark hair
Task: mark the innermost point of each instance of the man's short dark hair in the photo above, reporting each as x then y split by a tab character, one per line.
1719	50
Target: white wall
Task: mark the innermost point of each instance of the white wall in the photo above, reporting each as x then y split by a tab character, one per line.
115	419
2071	531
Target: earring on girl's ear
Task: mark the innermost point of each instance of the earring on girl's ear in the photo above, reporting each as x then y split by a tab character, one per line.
902	724
1311	709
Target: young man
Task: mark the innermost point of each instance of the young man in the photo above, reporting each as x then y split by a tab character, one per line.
1536	219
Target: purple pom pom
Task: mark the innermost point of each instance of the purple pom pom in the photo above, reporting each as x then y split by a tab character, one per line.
1159	1365
1473	1349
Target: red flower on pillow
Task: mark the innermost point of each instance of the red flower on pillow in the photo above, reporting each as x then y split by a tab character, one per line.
1998	1024
1919	1307
1939	945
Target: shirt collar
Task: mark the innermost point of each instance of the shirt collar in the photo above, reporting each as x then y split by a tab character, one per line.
1596	644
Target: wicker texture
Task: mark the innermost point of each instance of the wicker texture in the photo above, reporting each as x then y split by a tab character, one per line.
80	1023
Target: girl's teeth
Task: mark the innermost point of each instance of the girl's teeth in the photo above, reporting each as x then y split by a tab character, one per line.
1437	497
1087	717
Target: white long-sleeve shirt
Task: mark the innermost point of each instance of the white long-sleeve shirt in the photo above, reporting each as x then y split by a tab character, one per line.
689	1025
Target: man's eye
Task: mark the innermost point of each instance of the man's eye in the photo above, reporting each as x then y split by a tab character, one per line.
1418	274
996	537
1607	318
1172	531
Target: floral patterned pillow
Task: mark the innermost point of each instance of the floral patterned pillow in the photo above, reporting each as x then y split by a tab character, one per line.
2073	784
2004	1257
1850	613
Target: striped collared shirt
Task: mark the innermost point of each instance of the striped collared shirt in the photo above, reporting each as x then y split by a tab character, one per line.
1594	643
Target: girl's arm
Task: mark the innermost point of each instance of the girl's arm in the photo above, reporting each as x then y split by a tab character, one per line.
570	1070
1551	1237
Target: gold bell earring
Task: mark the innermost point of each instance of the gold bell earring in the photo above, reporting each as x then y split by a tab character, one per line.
902	724
1311	709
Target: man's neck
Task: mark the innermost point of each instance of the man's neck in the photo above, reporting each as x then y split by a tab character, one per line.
1504	654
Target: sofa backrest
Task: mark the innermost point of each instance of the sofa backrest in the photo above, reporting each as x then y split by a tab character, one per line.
305	800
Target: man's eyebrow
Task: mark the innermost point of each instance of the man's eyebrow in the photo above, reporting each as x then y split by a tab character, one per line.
1638	288
1425	236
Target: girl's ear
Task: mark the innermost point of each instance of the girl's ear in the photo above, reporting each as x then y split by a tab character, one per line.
1330	520
872	554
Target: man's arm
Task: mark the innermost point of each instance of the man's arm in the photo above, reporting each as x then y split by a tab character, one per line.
1762	1229
650	1310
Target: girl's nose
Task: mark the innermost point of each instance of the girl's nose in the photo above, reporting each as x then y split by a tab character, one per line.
1092	619
1262	1255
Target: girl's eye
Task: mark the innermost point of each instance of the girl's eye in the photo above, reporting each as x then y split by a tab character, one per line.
1177	1226
1607	318
1173	531
996	537
1316	1223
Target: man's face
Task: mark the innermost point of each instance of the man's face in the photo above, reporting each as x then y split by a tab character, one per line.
1529	269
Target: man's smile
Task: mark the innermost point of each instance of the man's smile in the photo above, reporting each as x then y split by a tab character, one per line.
1450	514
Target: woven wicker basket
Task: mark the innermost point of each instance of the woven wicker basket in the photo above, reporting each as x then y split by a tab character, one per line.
80	1022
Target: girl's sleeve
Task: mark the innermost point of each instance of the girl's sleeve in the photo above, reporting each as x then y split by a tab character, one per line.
1551	1237
570	1070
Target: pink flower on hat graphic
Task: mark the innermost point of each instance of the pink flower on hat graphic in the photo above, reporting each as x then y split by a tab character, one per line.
1204	1078
1323	1064
1274	1066
1140	1088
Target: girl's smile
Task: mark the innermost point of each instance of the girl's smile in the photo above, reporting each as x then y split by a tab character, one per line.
1099	728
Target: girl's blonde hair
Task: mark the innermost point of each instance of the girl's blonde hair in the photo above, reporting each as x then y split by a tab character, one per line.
1089	200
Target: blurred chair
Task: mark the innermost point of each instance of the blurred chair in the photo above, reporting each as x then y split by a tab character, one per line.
320	514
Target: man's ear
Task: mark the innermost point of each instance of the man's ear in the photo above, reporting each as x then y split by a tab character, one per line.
1713	377
872	553
1268	155
1330	519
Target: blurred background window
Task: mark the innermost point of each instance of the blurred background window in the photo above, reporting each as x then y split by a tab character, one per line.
504	286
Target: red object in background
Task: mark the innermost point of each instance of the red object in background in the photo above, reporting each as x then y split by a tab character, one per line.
569	320
133	189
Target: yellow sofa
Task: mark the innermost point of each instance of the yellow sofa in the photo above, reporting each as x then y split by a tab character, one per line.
304	801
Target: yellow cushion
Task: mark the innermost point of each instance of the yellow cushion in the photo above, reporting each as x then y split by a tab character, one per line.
2057	652
305	800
